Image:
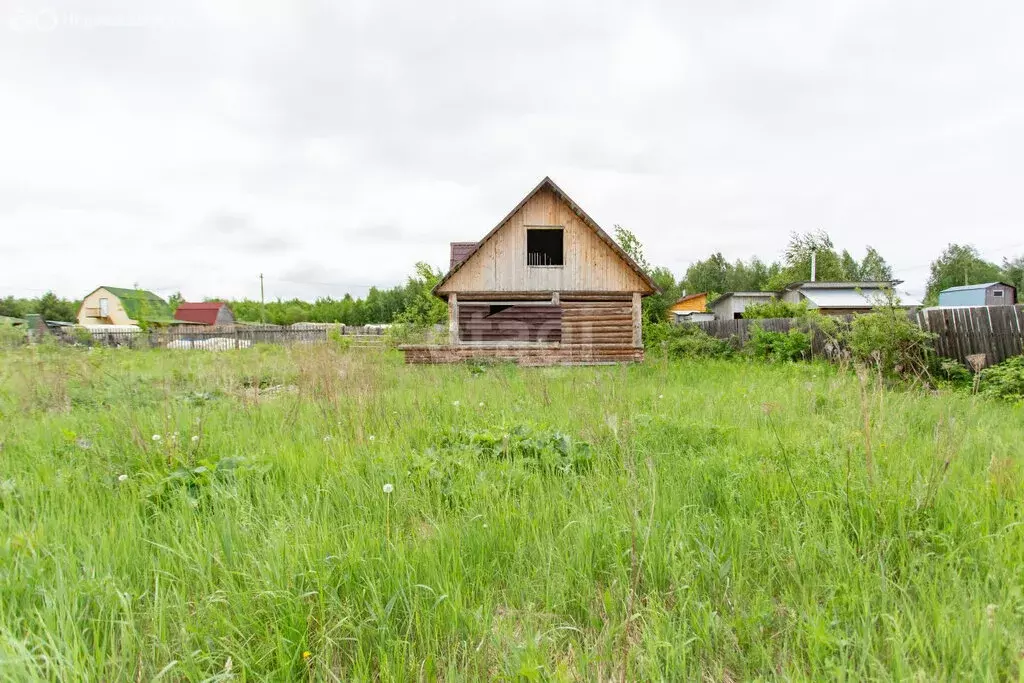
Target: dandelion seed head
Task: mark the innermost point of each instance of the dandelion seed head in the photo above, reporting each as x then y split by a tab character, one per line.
372	437
156	437
195	438
388	488
123	477
455	403
481	404
327	438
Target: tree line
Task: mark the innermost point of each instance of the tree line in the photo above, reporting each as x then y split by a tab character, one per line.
958	264
412	301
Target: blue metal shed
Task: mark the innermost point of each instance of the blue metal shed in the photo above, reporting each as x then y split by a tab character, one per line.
984	294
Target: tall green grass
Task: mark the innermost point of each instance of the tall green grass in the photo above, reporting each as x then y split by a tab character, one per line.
722	523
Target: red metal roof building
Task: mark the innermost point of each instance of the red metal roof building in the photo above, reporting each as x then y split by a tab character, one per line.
206	313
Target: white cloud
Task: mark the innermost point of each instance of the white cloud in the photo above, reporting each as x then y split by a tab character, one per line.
351	140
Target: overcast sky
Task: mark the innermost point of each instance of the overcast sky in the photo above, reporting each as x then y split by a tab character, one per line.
192	146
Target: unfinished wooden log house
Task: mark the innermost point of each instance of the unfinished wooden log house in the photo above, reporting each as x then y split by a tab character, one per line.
546	286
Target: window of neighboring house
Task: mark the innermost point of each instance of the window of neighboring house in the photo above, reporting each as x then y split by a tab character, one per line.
998	293
104	308
544	247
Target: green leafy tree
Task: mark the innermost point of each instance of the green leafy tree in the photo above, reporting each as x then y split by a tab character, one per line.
828	264
959	264
874	267
630	244
708	275
11	307
424	309
52	307
655	307
851	269
750	276
1013	274
175	300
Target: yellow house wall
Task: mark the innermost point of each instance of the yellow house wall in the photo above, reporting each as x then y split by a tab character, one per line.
89	313
698	304
500	264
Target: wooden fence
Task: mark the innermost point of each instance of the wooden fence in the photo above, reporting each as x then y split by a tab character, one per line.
223	337
996	331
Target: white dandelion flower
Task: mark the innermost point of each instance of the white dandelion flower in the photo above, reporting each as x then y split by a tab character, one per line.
195	439
123	477
455	403
156	437
372	437
327	438
388	488
481	404
661	395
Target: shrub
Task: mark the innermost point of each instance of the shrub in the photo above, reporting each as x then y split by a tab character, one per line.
775	308
889	340
954	373
11	335
779	346
343	342
685	341
1005	381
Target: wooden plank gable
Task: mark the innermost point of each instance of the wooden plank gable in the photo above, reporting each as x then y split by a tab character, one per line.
592	261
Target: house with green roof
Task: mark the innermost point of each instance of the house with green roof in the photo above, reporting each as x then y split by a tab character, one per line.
119	306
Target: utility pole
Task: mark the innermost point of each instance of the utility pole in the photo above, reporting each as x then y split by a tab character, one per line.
263	307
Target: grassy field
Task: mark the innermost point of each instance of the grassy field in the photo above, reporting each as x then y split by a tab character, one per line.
191	515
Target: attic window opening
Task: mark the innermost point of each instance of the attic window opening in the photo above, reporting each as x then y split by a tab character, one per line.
544	247
997	292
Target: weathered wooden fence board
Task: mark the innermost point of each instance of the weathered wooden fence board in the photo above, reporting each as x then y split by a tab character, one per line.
996	331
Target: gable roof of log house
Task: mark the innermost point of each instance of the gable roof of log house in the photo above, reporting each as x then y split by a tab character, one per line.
548	183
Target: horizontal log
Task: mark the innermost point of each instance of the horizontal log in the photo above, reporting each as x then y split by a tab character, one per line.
569	309
596	304
496	339
597	325
590	341
624	321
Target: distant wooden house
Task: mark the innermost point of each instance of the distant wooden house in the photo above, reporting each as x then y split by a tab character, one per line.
120	306
984	294
827	298
844	298
205	313
690	308
545	286
730	306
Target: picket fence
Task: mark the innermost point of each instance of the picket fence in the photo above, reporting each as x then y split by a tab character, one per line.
995	331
